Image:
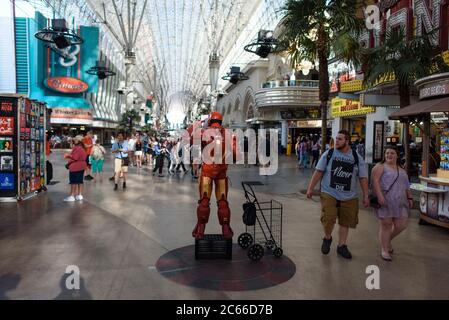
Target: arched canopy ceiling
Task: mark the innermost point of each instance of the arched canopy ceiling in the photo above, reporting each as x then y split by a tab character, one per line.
176	37
173	38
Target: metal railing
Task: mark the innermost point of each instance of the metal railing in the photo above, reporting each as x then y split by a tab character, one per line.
290	83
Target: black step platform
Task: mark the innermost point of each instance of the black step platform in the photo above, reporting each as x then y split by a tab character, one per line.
213	246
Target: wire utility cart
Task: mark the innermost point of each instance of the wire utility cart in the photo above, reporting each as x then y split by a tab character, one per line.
264	233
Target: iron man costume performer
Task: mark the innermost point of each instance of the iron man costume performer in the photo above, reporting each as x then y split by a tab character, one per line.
214	174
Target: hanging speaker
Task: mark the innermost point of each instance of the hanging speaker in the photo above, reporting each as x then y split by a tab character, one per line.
60	41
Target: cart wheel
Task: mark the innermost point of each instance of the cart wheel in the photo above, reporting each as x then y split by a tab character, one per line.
255	252
278	252
245	240
270	244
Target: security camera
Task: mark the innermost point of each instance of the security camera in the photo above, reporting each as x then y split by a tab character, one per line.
122	88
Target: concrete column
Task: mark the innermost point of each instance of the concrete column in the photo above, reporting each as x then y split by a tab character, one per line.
426	147
284	133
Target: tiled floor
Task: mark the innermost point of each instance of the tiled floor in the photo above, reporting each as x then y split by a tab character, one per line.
115	238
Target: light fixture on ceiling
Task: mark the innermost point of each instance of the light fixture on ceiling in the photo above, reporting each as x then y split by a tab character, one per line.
265	44
101	70
59	35
235	75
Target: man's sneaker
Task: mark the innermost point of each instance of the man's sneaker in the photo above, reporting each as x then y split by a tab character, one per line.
79	198
116	187
326	246
344	252
160	175
70	199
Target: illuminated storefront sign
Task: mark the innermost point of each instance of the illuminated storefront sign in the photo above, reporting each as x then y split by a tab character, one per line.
434	90
63	115
347	108
305	124
423	16
66	84
352	86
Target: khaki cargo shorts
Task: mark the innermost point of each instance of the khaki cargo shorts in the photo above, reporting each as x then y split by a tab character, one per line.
347	212
118	166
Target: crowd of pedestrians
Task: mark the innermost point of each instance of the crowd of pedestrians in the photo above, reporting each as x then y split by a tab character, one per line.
86	160
338	170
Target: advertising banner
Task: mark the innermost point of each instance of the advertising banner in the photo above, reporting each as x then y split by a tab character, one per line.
8	152
348	107
59	77
7	181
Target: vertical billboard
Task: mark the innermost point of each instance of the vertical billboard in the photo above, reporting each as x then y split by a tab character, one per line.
7	48
59	78
8	147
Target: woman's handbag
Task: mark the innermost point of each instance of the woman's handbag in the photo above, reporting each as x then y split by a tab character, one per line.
374	201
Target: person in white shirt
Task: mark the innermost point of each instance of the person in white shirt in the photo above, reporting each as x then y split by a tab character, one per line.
132	149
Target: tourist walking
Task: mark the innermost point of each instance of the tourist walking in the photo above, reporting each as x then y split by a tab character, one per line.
159	155
338	170
174	159
97	161
138	151
303	154
182	151
390	184
120	150
88	144
76	165
315	152
132	146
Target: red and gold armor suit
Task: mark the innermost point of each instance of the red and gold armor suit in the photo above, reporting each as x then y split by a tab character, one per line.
214	174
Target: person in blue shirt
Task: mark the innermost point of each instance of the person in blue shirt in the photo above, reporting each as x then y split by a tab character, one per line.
120	150
159	153
338	170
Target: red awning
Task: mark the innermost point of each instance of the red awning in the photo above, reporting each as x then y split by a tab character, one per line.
422	107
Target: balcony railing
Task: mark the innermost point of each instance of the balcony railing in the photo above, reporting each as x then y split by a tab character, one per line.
291	83
288	93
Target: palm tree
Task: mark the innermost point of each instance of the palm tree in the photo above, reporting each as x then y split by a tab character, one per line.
406	60
129	118
317	30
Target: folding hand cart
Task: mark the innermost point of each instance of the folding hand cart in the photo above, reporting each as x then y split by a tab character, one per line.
266	233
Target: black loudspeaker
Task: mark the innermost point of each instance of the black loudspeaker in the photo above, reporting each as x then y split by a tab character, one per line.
235	70
59	24
61	42
101	75
263	51
234	79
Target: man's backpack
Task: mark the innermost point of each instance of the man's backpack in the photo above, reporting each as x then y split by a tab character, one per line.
354	154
